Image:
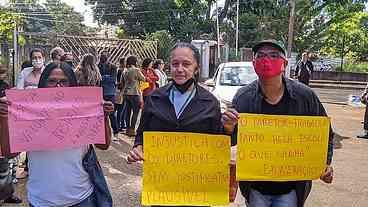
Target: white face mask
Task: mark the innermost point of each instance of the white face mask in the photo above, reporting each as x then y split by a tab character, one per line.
37	63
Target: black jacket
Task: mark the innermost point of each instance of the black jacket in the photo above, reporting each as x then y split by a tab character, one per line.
3	86
303	102
304	71
202	115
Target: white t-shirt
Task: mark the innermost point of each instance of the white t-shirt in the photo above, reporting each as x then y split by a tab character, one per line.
162	77
57	178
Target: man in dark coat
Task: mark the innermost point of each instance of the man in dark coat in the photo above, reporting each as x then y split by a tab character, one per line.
274	94
304	69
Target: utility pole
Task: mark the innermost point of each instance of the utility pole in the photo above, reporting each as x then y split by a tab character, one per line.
218	32
15	51
237	29
291	33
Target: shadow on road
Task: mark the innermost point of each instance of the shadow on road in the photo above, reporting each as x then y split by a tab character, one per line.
338	140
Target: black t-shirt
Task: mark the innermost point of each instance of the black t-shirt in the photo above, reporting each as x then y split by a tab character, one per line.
268	187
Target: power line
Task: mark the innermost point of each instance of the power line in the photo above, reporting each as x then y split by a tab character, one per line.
106	14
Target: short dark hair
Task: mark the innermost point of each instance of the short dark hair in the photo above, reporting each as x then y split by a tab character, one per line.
104	57
195	51
67	69
131	60
157	63
36	50
146	62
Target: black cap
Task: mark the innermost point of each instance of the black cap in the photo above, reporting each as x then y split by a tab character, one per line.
271	42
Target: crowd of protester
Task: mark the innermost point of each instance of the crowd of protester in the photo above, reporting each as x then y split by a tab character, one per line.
73	177
123	100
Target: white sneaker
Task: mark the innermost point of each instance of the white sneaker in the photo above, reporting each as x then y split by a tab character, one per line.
115	138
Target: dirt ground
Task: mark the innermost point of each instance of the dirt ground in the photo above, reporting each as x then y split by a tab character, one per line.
350	162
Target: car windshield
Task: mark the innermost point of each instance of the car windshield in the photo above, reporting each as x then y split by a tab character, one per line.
237	75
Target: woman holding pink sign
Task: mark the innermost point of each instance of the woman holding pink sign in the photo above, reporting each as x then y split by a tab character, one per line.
67	177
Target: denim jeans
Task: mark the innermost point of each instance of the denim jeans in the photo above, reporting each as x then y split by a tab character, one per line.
112	116
121	115
257	199
88	202
132	102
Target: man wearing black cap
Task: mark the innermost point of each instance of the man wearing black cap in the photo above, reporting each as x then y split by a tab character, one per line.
275	94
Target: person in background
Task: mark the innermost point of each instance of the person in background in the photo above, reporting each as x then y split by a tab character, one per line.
275	94
151	77
304	69
120	105
364	100
6	179
108	73
56	54
68	58
29	78
87	72
159	66
62	177
132	95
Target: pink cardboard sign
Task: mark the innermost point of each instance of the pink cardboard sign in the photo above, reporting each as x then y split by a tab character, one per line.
55	118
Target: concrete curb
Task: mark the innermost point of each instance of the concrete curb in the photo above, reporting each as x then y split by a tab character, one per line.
337	86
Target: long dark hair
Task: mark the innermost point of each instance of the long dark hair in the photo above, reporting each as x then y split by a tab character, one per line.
65	67
146	63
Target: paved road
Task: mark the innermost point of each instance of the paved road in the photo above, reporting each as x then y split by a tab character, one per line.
328	95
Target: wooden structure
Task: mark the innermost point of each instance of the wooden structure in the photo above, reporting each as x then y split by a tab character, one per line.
80	45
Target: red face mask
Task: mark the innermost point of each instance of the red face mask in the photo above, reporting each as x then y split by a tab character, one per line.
267	68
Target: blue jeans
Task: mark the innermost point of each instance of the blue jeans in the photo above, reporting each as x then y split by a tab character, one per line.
121	115
132	106
257	199
114	124
88	202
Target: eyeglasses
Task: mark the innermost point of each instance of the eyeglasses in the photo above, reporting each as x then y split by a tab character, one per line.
54	82
273	55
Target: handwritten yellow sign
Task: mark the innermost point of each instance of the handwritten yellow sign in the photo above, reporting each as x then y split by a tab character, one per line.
281	148
185	169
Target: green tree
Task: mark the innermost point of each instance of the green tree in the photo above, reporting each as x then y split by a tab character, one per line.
66	20
183	19
52	16
164	43
348	38
7	22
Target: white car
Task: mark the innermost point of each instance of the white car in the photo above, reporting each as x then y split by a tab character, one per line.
228	78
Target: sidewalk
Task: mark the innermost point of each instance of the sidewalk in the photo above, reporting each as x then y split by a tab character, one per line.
337	84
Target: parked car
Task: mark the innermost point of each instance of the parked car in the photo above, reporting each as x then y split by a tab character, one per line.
228	78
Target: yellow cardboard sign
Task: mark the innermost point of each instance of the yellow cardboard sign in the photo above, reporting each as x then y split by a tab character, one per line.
281	148
185	169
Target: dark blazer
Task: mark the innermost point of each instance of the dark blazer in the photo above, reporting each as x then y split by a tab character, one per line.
304	102
202	115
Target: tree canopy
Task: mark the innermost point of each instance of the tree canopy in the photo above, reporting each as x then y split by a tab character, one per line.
51	16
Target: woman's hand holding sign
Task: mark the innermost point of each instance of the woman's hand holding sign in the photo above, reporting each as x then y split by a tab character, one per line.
327	176
136	154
